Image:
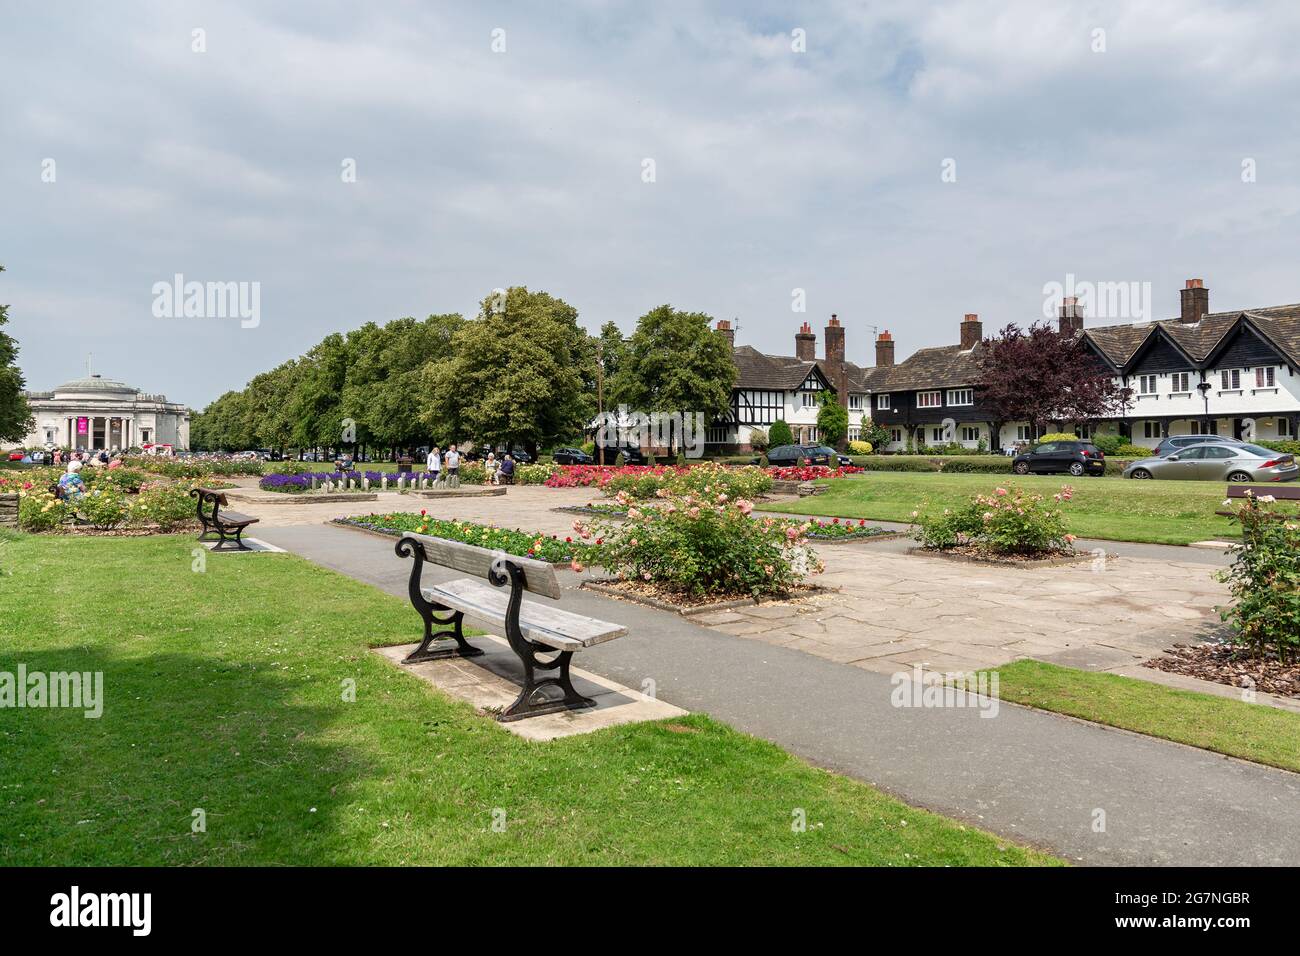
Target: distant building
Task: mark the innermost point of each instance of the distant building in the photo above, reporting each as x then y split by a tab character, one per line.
789	388
102	414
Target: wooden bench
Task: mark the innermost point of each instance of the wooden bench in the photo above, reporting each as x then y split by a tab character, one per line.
227	525
531	628
1279	491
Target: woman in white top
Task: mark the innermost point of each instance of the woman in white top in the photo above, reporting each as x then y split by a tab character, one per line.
490	467
433	464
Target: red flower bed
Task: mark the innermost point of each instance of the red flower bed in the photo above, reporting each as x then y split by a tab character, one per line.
597	476
811	472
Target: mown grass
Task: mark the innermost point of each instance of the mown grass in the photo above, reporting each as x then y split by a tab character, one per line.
1159	512
1247	730
225	693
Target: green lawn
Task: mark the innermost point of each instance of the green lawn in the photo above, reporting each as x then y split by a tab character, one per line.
1161	512
1250	731
223	692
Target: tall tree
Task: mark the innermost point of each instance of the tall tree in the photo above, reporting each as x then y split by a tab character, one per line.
522	371
15	413
676	363
1040	376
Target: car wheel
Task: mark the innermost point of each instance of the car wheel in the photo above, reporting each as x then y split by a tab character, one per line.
1239	477
1020	468
1140	473
1076	468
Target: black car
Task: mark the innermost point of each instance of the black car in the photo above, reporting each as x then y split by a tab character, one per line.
832	456
784	456
1076	457
571	456
480	453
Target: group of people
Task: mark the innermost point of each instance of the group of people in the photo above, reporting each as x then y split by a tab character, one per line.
71	485
444	467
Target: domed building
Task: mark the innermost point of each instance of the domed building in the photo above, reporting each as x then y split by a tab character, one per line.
97	413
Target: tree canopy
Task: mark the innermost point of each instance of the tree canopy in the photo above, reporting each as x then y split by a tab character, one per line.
15	413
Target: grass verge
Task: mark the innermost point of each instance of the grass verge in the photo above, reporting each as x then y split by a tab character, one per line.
1253	732
225	692
1117	509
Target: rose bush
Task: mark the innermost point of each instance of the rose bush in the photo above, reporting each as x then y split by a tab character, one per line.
1264	578
524	544
701	546
809	472
1008	521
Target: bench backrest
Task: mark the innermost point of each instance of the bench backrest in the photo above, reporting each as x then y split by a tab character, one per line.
1279	491
539	576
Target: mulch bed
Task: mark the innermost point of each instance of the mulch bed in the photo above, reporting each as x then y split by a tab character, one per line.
977	555
1231	665
644	592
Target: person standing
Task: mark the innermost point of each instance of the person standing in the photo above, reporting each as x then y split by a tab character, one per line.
434	465
453	466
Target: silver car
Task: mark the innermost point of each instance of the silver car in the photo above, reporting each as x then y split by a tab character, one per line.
1218	462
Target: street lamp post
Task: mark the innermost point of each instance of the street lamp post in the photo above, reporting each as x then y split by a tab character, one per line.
1204	389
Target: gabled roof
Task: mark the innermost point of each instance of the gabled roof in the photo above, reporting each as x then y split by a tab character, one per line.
754	369
944	366
1280	324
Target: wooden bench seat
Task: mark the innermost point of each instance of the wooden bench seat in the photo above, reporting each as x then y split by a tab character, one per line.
531	627
227	525
1279	491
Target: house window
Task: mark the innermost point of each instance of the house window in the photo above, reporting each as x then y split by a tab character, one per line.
936	435
1266	377
716	435
1151	429
961	396
1148	384
1283	427
855	402
1025	433
896	435
970	433
1084	432
882	402
49	436
1230	379
1179	382
929	399
855	433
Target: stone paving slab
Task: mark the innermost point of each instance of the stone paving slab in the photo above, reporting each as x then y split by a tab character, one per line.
492	682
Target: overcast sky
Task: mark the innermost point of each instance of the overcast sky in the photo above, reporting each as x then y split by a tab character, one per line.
1114	156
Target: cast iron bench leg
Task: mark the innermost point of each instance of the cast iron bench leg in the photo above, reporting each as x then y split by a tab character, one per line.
526	706
413	549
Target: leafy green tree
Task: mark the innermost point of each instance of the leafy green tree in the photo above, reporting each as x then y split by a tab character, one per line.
779	434
15	413
522	371
832	421
877	434
675	362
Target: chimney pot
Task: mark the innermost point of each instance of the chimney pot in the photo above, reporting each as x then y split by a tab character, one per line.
805	344
884	349
1195	301
972	330
727	332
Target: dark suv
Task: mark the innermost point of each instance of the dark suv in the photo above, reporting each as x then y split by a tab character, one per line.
1076	457
571	456
784	456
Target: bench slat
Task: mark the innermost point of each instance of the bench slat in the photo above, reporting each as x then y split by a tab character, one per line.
234	517
1281	492
539	577
540	623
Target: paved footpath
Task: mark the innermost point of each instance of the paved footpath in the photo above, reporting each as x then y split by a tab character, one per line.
1036	777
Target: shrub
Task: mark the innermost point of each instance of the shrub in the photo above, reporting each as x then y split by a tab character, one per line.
166	504
702	546
779	434
758	439
1126	450
1059	436
524	544
1265	579
1008	521
38	510
104	508
860	448
1285	447
1109	444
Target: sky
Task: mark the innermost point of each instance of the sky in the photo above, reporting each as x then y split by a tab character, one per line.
897	163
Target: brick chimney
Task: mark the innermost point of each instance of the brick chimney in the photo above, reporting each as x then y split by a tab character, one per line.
727	332
972	330
1196	301
1071	319
884	349
805	344
835	360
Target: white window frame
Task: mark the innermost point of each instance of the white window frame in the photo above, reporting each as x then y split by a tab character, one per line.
970	433
1269	374
1230	380
1183	379
855	433
896	436
936	435
855	402
1283	427
1148	384
1149	427
955	396
937	395
882	402
809	399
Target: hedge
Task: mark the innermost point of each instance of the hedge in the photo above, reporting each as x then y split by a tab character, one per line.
957	464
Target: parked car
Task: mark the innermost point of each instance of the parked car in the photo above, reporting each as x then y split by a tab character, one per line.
1217	462
1076	457
480	453
571	456
833	457
1175	442
785	456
